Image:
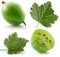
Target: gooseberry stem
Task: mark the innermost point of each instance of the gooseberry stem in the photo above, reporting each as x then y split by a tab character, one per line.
37	25
3	49
24	23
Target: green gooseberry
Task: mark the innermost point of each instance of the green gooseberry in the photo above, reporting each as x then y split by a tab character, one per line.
13	13
42	41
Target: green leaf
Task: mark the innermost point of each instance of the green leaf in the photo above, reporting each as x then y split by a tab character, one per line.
44	14
14	43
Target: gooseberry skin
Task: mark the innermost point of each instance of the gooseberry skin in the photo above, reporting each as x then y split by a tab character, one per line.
42	41
13	13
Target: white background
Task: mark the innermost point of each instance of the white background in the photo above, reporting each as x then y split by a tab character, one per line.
26	32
